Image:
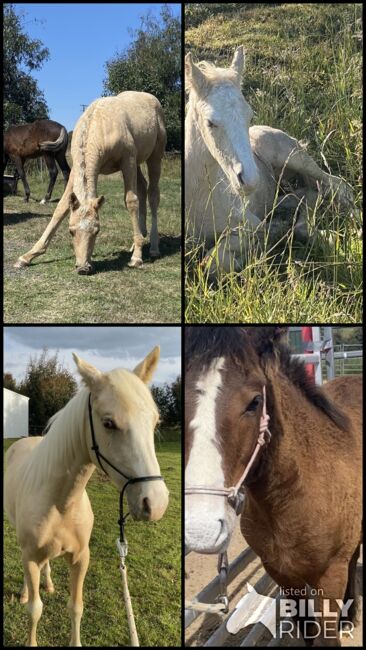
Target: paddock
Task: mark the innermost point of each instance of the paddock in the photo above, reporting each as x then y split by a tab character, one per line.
47	291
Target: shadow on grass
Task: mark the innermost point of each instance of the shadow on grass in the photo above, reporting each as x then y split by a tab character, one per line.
118	260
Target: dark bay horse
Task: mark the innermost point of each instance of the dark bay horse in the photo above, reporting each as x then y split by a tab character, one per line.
301	508
40	138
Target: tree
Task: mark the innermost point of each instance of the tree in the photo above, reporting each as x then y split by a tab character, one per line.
168	400
49	387
152	63
9	382
23	100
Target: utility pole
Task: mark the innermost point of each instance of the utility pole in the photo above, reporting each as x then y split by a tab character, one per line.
84	106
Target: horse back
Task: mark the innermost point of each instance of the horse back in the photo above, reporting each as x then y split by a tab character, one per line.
346	392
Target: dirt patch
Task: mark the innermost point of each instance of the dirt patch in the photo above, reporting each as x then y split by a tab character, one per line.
201	569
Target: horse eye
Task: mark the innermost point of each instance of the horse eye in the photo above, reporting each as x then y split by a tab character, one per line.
109	423
252	407
210	124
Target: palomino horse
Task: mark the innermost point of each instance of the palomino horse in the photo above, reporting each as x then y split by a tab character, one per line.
114	134
45	478
43	138
301	497
234	172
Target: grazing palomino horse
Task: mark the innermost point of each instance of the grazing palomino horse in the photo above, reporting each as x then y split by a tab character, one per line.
300	493
114	134
42	138
233	172
45	478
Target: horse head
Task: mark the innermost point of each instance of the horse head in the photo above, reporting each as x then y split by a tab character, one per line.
83	227
124	417
223	118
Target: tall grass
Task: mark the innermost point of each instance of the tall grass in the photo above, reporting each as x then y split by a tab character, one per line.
303	75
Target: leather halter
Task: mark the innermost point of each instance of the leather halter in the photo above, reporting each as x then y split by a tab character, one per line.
235	494
130	480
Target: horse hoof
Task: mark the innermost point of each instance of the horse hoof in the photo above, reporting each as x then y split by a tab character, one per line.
50	590
154	254
20	263
43	202
135	262
84	270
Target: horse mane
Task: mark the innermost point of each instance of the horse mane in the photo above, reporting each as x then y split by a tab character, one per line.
244	345
63	436
204	344
214	75
295	370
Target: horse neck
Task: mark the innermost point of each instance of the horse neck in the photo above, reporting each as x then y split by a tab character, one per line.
62	459
86	157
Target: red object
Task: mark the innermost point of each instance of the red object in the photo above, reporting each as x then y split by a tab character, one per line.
307	337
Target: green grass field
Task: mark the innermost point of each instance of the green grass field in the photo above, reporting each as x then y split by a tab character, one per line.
303	75
50	290
154	574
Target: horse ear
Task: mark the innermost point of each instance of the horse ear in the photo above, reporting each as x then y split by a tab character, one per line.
91	376
267	338
238	61
194	77
97	203
74	201
147	367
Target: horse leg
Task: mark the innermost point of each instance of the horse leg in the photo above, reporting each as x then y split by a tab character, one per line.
330	587
154	169
42	244
129	171
24	593
32	575
49	584
64	165
285	154
352	592
233	248
142	194
19	163
53	172
75	604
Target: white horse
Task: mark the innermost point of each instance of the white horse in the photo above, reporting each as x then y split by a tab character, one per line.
45	478
233	172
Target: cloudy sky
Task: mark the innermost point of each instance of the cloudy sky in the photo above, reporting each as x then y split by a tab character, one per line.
104	347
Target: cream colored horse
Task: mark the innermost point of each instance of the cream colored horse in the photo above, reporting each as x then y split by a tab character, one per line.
233	171
45	478
114	134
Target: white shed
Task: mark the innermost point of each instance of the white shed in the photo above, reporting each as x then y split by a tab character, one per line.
15	414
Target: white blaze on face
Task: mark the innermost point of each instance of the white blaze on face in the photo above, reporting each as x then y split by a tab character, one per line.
208	519
203	425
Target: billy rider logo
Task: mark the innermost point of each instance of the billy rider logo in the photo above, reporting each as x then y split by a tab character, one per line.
277	615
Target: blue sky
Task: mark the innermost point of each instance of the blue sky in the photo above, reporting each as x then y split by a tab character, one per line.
81	38
104	347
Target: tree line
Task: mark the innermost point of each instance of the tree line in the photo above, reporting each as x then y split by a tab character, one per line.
151	63
50	386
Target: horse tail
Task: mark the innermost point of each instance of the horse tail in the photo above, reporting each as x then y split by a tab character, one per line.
352	589
58	144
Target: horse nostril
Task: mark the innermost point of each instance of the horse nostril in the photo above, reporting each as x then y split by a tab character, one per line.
146	506
240	178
